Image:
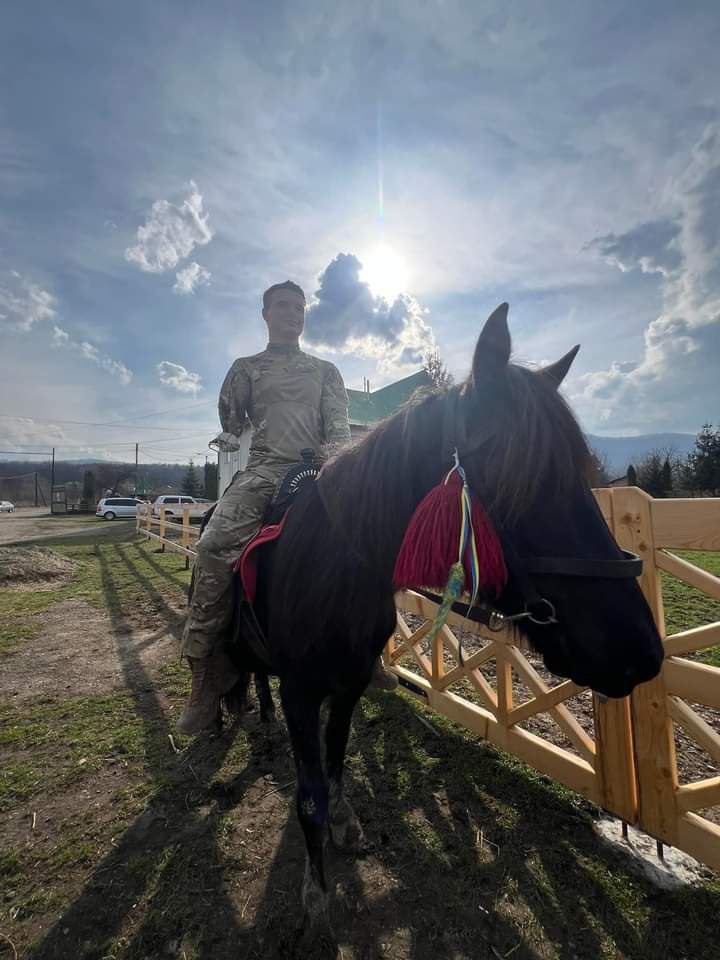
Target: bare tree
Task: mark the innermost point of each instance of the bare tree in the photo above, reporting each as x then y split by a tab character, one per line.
436	369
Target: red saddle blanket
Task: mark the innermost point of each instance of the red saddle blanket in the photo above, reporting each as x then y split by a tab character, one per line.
246	566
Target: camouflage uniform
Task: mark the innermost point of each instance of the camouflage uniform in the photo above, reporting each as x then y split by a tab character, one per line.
293	401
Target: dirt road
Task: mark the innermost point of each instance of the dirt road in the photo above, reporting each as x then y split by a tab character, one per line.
33	523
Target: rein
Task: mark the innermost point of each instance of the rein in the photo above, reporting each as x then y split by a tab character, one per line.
538	609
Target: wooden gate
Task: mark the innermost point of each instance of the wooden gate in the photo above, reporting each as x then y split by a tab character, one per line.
619	754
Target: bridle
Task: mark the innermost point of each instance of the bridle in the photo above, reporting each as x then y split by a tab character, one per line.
537	609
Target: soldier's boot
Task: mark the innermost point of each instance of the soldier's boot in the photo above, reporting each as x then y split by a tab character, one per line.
212	677
382	679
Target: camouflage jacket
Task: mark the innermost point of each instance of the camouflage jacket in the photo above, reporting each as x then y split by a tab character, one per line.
292	400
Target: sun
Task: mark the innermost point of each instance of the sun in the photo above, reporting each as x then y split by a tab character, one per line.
385	272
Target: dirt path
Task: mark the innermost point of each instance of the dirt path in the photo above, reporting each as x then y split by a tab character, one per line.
33	523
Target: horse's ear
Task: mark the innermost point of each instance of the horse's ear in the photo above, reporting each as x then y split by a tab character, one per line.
492	351
558	371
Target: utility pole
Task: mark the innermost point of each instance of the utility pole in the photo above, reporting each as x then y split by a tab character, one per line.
52	480
136	468
36	492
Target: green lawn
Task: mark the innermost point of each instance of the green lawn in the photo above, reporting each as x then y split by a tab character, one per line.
686	607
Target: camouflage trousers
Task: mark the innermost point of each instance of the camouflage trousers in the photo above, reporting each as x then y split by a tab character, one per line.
237	518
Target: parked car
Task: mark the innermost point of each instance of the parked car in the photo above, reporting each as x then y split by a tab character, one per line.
6	506
174	506
111	507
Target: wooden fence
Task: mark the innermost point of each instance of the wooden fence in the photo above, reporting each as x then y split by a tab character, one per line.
620	754
146	520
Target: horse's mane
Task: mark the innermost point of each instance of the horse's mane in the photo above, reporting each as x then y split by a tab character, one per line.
369	491
371	488
537	448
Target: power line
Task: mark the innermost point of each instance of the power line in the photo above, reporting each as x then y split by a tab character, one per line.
19	476
81	423
25	453
160	413
116	443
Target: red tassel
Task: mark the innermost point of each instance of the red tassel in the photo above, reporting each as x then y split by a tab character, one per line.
432	540
430	546
492	573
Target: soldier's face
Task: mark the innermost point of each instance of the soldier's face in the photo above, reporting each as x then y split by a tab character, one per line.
285	316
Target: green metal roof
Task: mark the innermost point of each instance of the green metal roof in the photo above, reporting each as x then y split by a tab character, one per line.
364	408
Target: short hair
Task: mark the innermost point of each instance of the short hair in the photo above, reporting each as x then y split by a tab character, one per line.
287	285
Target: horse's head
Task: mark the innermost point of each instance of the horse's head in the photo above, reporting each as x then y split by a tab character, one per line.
527	462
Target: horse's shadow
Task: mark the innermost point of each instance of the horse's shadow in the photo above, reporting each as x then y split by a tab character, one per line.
470	857
160	851
473	859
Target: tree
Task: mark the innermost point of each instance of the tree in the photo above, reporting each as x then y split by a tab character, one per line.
436	369
702	468
655	473
191	483
89	485
667	478
211	481
632	480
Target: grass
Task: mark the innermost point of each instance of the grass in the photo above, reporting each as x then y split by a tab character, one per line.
13	634
686	607
151	853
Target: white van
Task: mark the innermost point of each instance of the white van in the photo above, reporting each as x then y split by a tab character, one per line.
174	506
111	507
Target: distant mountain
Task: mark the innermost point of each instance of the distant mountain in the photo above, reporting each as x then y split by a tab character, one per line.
619	452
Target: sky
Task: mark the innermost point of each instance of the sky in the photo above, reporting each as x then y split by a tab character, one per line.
410	165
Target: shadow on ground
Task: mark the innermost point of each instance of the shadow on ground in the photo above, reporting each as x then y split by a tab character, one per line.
471	856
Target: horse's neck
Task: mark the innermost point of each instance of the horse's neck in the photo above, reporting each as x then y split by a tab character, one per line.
373	525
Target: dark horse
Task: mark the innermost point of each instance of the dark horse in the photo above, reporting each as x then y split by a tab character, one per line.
325	588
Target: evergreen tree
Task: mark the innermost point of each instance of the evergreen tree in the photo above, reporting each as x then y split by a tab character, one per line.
211	481
88	492
702	468
667	478
191	483
632	480
436	369
650	474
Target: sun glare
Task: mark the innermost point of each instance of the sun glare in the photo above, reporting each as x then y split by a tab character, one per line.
385	272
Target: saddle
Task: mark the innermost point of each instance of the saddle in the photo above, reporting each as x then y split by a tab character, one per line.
298	477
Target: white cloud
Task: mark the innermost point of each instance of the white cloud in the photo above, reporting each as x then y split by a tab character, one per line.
27	433
178	377
190	278
170	233
23	304
346	317
682	345
61	338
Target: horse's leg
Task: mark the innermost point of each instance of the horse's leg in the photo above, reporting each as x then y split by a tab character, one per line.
235	700
345	828
302	713
262	689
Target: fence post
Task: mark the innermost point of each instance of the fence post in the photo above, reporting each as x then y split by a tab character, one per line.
162	528
615	758
148	518
652	726
185	536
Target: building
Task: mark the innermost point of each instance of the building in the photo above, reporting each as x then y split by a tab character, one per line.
365	408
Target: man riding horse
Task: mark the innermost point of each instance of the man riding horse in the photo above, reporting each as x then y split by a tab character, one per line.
294	402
